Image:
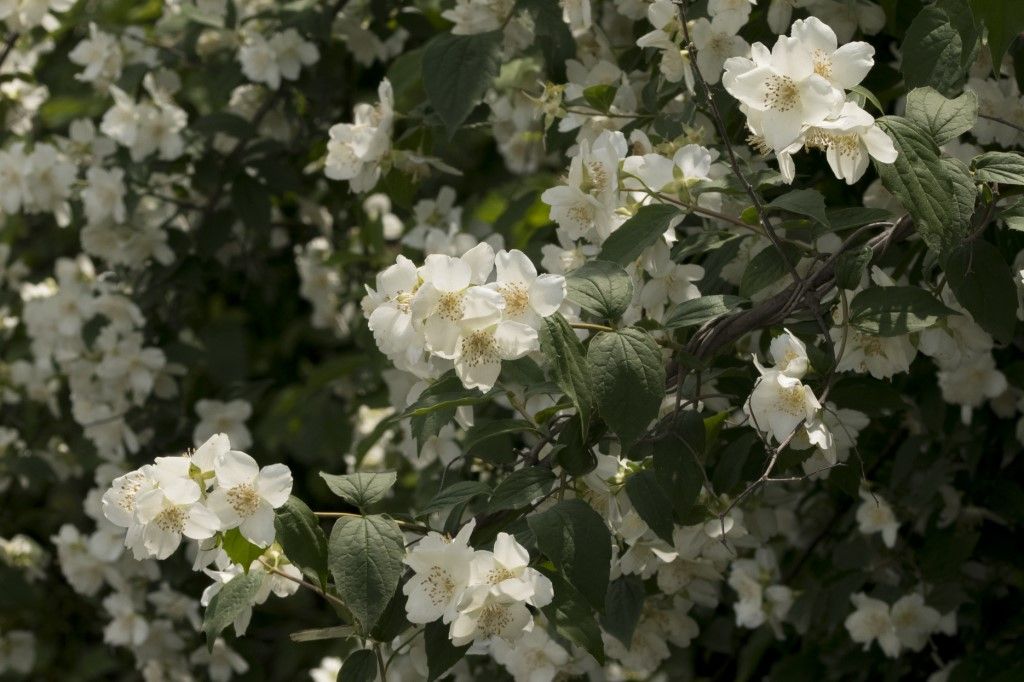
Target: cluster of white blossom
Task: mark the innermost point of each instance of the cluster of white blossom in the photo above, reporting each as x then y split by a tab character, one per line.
907	624
481	595
470	312
794	97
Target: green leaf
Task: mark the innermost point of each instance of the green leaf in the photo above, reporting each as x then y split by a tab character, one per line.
301	537
923	185
850	217
572	616
359	666
552	36
568	363
628	375
362	489
944	119
455	494
521	488
651	503
441	655
240	550
965	190
868	96
767	267
572	451
622	608
1004	22
318	634
575	538
250	199
224	122
894	311
851	266
935	49
436	406
677	461
365	557
232	600
697	311
805	202
601	288
481	433
1013	216
639	232
600	96
983	284
457	70
1005	168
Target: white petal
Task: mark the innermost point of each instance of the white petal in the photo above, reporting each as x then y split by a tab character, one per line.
515	340
235	468
547	294
274	484
259	528
201	523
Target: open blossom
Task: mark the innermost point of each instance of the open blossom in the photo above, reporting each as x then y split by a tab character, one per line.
870	622
246	495
529	297
441	571
356	150
716	41
780	403
874	515
283	56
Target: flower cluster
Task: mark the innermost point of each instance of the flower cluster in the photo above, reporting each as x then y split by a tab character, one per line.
471	312
481	595
197	495
907	624
794	97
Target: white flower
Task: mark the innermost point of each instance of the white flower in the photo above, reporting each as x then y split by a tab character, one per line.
246	495
356	150
506	569
789	354
221	663
127	626
100	55
872	621
448	295
441	571
103	196
170	510
780	403
292	52
716	41
737	10
782	89
849	141
17	652
259	61
535	657
483	342
229	418
914	621
529	297
874	515
843	67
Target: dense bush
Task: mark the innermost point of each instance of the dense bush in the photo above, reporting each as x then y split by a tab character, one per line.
567	340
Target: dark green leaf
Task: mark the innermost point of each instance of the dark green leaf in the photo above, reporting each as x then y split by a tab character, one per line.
1005	168
456	493
894	311
697	311
639	232
767	268
573	618
359	666
651	503
1004	22
365	557
362	489
936	48
628	375
235	597
601	288
301	537
317	634
851	266
569	365
805	202
622	608
575	538
481	433
457	70
677	459
521	488
923	185
250	199
983	284
944	119
552	36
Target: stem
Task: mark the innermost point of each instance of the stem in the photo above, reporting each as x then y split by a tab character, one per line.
408	525
592	327
326	595
381	664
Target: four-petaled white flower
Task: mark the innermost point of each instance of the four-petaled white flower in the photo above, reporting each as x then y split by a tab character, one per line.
441	571
246	496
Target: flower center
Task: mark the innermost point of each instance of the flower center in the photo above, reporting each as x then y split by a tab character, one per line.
792	399
781	93
822	64
498	575
479	348
440	586
450	306
494	619
517	298
171	519
244	499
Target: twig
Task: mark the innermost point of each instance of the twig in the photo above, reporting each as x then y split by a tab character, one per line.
996	119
